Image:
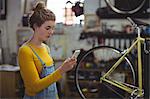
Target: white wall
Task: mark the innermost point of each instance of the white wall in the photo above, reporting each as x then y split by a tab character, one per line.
9	26
90	6
73	42
15	12
68	41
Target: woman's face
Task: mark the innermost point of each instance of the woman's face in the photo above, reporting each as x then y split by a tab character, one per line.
45	30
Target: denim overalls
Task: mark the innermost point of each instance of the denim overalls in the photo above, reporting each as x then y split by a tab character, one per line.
51	91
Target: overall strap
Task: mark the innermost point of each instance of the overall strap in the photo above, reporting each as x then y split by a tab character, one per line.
43	64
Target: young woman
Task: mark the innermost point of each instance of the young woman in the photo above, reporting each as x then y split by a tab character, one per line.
35	61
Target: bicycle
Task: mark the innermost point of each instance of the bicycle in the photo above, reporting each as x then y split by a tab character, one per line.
114	62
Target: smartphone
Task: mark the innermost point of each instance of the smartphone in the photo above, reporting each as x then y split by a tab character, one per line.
76	53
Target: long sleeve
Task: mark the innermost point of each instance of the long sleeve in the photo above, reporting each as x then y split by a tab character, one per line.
30	68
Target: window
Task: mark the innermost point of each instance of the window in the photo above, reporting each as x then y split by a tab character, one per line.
58	7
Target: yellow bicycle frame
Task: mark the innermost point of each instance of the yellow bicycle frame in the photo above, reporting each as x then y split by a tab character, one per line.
138	42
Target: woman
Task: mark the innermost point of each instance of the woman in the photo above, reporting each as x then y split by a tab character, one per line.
35	61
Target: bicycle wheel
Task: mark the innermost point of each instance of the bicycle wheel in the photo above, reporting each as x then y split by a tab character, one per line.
95	63
127	7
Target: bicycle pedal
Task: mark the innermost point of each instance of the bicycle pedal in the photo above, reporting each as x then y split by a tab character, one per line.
147	46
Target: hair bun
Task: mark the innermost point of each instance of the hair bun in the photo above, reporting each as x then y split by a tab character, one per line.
39	6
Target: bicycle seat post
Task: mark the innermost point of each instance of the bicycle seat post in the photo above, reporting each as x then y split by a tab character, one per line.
138	31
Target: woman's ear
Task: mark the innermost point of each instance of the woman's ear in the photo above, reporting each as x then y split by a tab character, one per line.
35	26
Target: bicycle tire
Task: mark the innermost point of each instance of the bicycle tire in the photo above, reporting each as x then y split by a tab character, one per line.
127	11
82	82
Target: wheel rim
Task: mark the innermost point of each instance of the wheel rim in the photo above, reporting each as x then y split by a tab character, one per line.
77	67
124	12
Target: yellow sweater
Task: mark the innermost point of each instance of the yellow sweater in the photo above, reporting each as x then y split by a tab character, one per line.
30	67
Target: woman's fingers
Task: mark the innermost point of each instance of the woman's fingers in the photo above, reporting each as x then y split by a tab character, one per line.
68	64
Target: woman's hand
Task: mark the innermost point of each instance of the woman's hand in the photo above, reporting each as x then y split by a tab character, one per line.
67	65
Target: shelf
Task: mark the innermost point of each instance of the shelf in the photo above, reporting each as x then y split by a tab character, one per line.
115	35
